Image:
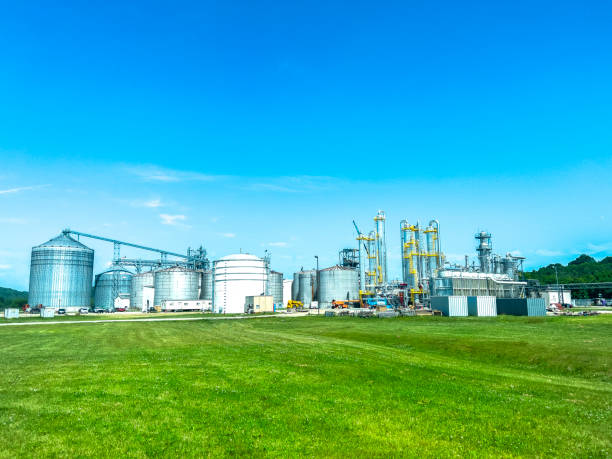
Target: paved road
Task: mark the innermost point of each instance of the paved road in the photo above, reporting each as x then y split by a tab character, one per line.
157	319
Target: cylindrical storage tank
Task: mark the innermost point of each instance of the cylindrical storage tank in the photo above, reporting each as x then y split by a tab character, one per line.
276	287
206	291
338	283
308	287
61	272
176	283
295	287
110	285
140	281
234	278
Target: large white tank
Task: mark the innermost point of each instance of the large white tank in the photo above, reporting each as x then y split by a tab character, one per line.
236	277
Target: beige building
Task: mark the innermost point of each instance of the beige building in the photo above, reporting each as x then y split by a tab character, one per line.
257	304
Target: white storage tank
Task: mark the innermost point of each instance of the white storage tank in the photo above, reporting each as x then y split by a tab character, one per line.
482	306
234	278
287	289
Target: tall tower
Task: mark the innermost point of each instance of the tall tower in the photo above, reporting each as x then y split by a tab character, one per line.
484	251
381	248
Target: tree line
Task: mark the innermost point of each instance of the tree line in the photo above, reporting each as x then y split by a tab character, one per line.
584	269
10	298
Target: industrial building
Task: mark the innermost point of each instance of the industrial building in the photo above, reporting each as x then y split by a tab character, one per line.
62	272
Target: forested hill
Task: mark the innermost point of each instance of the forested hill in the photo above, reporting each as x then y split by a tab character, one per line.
582	269
10	298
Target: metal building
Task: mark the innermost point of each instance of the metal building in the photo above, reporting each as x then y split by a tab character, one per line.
110	285
234	278
206	292
276	287
338	283
140	283
307	287
176	283
61	272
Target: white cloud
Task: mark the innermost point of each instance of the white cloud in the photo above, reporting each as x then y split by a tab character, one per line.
153	203
600	247
516	253
278	244
173	220
23	188
5	266
151	173
295	184
548	253
215	219
13	220
228	235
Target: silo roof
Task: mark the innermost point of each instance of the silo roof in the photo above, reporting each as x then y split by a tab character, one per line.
64	240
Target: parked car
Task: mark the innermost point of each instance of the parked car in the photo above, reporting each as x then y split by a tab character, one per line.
84	311
120	309
152	309
61	311
99	310
34	310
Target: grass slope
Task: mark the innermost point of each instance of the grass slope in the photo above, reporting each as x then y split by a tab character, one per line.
424	386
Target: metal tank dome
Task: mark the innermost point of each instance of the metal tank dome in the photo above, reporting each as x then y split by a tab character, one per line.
234	278
61	272
110	285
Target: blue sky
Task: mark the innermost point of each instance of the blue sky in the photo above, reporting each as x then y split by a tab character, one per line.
273	125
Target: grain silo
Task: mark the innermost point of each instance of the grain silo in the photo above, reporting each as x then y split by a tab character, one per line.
234	278
141	284
295	287
176	283
110	285
207	285
338	283
307	292
60	274
276	287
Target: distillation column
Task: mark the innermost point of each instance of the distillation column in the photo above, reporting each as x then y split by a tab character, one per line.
381	248
484	250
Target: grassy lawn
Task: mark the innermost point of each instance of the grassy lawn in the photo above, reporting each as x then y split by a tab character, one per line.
115	316
310	386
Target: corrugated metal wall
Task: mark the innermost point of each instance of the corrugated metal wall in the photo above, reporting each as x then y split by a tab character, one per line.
450	306
482	306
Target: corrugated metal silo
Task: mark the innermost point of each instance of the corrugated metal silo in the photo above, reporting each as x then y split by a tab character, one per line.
276	287
236	277
107	282
206	291
140	281
176	283
295	287
338	283
308	287
61	273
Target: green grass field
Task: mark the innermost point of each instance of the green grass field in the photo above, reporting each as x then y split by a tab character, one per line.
310	386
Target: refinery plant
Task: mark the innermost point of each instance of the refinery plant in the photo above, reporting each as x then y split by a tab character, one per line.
61	277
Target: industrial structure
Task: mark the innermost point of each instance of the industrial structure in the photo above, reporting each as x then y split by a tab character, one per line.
62	270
